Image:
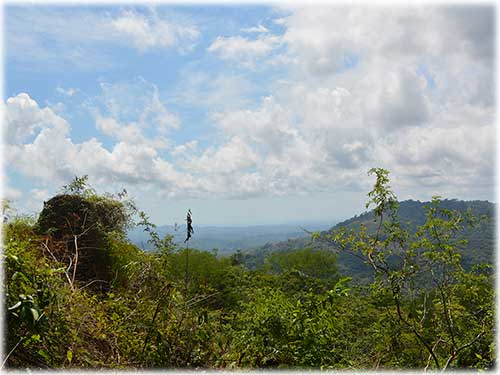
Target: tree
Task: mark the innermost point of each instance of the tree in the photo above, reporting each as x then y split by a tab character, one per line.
317	263
421	278
78	224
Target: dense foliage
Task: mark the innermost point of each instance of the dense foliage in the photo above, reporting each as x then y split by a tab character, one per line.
177	306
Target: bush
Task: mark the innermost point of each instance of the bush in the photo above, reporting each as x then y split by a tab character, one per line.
79	225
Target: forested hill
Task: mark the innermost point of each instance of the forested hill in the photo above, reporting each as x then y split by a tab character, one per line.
480	247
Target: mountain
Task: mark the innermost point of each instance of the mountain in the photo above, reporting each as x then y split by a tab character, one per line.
480	248
228	239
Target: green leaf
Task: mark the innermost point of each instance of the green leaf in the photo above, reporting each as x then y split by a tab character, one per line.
44	354
69	355
35	338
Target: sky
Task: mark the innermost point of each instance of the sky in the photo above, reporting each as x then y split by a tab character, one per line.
262	114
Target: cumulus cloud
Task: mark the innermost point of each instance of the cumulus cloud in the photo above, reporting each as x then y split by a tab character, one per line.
267	126
408	89
403	34
24	118
294	155
234	156
400	100
128	133
186	149
446	161
52	157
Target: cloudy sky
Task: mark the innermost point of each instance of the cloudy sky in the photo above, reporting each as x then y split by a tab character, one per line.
249	114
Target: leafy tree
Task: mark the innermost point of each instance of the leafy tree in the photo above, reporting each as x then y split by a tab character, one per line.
278	330
310	262
209	277
420	277
78	224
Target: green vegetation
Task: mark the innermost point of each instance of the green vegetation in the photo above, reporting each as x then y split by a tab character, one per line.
479	248
78	294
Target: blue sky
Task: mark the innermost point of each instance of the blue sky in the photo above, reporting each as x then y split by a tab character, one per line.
249	114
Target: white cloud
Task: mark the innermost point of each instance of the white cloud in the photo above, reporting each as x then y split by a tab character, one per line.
52	157
354	86
359	98
435	160
142	33
132	108
146	32
140	100
234	156
399	100
40	193
83	39
268	125
35	200
297	152
397	34
406	89
156	114
23	118
244	50
255	29
11	193
215	91
66	92
129	133
185	149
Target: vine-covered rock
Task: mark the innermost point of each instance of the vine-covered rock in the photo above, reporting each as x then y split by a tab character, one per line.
76	223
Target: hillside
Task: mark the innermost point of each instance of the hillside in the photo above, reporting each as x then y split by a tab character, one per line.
480	247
